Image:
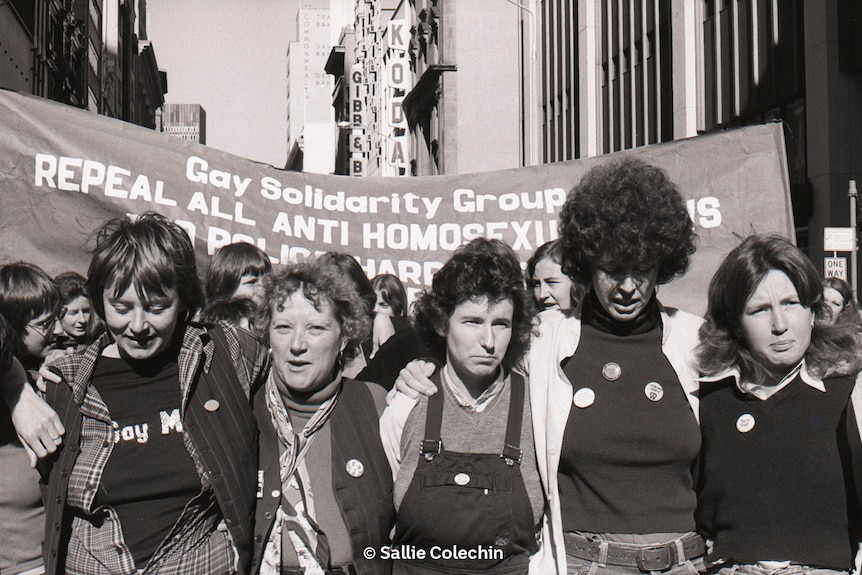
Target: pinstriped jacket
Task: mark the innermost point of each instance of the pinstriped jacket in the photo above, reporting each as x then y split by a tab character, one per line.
214	363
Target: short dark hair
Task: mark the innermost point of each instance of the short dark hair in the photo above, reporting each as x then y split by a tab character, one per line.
71	285
7	345
230	311
228	266
392	291
626	210
481	269
151	253
26	292
319	280
722	345
352	269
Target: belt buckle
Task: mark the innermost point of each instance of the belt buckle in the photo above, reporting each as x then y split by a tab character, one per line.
654	562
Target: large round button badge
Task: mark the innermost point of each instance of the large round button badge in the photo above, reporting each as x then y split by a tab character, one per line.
584	397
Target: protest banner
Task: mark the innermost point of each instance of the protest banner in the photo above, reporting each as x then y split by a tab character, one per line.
63	171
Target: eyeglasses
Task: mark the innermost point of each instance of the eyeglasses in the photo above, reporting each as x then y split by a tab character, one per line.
44	327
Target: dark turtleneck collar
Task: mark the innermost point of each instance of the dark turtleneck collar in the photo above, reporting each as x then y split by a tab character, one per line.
309	403
594	315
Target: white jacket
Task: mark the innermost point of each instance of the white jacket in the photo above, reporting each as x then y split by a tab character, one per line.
551	396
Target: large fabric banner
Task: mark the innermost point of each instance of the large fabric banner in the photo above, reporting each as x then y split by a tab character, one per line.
63	171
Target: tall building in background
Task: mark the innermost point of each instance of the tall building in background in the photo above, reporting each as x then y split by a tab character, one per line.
618	75
437	87
183	121
92	54
464	110
372	75
311	130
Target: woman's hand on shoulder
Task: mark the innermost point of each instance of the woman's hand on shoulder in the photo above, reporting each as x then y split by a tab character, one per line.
414	379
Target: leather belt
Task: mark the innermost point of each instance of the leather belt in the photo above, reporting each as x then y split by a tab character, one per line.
646	557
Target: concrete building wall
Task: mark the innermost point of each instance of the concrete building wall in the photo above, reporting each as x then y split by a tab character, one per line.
185	121
15	46
713	65
483	95
311	119
833	103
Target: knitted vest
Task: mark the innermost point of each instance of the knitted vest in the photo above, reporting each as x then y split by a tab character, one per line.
773	484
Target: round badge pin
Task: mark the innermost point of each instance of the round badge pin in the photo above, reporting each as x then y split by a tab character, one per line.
355	468
211	405
462	479
612	371
654	391
584	397
745	423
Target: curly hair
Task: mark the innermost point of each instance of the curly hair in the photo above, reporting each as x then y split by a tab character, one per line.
482	269
834	350
151	253
228	266
320	280
850	312
626	211
392	291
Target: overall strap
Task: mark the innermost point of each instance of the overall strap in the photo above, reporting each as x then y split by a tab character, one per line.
512	453
432	444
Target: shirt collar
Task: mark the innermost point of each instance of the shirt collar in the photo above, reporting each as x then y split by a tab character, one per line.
765	391
464	400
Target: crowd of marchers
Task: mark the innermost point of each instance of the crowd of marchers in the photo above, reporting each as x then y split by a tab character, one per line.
307	420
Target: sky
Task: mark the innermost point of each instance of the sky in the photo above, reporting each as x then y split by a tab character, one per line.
229	56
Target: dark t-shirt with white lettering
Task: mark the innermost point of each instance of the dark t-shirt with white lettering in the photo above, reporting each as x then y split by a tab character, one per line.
150	476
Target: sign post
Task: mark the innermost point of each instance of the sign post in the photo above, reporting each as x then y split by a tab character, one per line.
853	195
835	267
838	240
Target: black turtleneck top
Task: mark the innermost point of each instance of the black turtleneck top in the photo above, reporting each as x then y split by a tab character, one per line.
631	440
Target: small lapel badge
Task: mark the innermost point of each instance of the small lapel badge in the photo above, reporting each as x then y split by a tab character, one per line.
462	479
654	391
612	371
355	468
745	423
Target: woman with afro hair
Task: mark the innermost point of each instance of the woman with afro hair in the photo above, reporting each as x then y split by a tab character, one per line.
612	385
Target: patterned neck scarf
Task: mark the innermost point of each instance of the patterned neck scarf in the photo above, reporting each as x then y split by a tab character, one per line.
296	516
